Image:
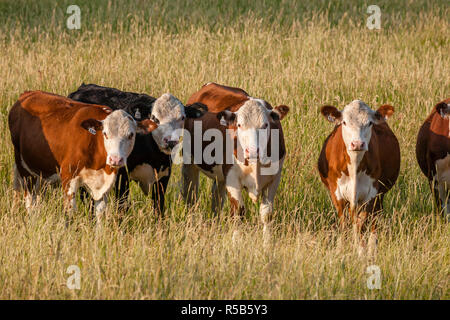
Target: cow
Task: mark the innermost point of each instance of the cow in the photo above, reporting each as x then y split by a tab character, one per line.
149	163
57	139
251	125
359	162
432	152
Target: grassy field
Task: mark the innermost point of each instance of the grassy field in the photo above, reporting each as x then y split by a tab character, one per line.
303	55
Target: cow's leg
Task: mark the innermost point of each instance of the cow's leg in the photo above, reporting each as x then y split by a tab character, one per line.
266	207
158	195
358	218
190	178
122	189
32	185
17	187
70	186
100	208
234	191
374	208
444	197
218	191
340	207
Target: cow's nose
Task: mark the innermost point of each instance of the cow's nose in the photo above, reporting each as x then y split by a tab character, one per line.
116	161
172	143
357	145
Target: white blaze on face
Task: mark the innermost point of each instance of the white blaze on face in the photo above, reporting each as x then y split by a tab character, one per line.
168	112
252	122
357	121
119	131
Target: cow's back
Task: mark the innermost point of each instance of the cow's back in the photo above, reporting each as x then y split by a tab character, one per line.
219	98
46	128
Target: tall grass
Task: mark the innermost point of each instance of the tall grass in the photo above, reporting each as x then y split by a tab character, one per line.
299	54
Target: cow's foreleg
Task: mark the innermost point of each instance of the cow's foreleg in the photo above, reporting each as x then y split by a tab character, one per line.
70	187
17	187
218	191
100	208
234	191
158	195
122	189
266	207
358	220
190	177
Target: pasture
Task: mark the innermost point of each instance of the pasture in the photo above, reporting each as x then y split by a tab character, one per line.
303	55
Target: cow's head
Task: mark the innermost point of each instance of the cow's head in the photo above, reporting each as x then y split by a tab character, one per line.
357	120
119	132
443	109
252	125
169	114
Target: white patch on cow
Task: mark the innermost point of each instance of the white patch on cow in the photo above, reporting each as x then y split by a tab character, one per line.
97	181
71	200
261	101
119	130
442	177
145	175
169	113
357	120
356	188
249	177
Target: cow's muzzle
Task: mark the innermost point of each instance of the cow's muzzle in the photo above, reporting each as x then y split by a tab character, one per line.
115	161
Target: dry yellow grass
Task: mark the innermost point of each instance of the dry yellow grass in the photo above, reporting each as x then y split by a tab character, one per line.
302	64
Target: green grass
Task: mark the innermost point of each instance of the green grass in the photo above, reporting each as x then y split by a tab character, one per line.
303	55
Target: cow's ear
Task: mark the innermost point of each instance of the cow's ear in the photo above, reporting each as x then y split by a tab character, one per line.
227	118
384	112
146	126
443	109
195	110
92	125
331	113
279	112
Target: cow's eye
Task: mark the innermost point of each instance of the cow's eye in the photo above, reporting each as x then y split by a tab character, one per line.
105	135
154	119
130	136
265	125
239	125
344	123
370	123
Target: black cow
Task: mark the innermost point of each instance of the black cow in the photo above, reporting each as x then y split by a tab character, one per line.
149	163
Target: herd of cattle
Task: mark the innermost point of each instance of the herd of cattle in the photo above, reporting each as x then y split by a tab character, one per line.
100	138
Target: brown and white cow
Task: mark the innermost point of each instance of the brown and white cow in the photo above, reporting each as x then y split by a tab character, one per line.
359	163
432	152
59	139
252	126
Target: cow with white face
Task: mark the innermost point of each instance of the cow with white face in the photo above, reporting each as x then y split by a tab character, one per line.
251	124
119	132
433	153
59	139
253	162
169	113
149	163
359	163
